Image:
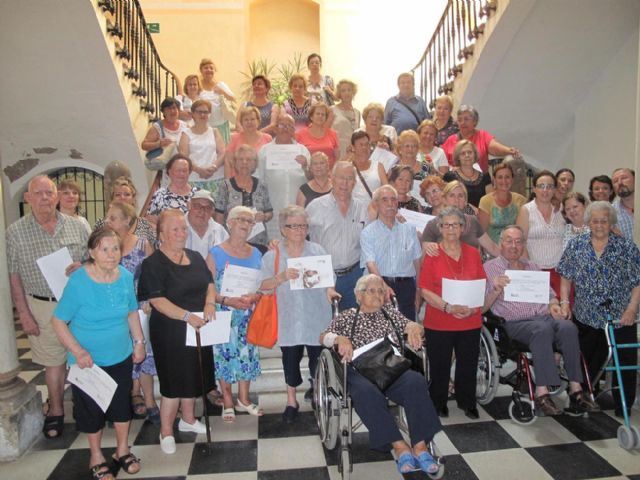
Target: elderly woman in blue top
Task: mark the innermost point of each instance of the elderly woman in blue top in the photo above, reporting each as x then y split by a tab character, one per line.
392	250
307	311
96	320
603	266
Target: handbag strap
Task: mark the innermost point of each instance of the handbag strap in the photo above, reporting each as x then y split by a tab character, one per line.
162	134
364	182
388	317
401	102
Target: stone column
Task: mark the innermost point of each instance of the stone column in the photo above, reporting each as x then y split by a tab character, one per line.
20	403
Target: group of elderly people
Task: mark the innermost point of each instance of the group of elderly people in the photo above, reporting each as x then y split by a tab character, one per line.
215	213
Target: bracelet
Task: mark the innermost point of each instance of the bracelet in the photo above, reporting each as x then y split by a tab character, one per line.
445	308
185	317
222	301
211	303
564	302
139	342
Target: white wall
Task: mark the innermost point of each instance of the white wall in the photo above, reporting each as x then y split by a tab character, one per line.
59	88
605	121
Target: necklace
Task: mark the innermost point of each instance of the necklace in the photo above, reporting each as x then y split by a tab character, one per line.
322	187
450	266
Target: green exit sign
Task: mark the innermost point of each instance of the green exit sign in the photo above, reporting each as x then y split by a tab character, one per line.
153	27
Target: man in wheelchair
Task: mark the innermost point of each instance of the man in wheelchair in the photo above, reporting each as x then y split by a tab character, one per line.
355	328
540	326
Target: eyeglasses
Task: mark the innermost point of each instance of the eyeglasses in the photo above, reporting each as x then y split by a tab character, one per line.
248	221
202	112
373	291
546	186
297	226
450	225
284	126
511	241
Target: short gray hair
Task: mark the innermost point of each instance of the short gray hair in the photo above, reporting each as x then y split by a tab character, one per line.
343	164
363	282
511	227
452	212
601	206
235	212
377	193
291	211
472	110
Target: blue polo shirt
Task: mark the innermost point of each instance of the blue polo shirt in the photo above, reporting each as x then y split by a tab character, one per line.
399	117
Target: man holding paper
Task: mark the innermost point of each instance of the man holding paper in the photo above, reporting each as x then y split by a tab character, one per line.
391	250
36	235
538	324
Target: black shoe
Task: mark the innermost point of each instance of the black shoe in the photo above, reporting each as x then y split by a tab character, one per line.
472	413
290	414
308	395
443	412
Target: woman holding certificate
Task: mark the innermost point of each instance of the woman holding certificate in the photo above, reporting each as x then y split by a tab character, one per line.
178	285
97	322
307	311
451	328
237	361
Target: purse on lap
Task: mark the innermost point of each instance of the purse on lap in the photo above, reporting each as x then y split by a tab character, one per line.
158	158
263	324
380	364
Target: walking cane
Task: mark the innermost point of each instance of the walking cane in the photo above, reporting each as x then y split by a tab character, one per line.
204	393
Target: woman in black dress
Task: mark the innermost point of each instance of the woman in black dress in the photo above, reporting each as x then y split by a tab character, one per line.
177	282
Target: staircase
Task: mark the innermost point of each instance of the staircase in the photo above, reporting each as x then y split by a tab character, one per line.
557	79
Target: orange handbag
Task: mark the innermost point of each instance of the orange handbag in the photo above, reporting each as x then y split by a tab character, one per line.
263	324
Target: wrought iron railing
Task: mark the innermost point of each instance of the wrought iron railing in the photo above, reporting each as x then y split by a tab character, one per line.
151	80
451	44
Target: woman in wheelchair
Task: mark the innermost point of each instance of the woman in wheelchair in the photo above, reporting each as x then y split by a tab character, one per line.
355	328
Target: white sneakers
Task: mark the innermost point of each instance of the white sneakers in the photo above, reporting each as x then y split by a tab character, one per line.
168	444
195	427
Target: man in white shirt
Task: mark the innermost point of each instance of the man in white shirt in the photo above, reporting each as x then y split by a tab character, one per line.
336	221
204	233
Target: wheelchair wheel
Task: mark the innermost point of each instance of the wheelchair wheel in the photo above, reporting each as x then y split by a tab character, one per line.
327	409
488	374
521	412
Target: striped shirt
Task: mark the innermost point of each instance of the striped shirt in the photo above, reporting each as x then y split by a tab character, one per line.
625	219
338	234
544	242
392	249
27	241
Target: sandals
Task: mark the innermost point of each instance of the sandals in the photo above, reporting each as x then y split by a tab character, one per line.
53	423
100	471
127	462
251	409
427	463
407	463
228	415
138	408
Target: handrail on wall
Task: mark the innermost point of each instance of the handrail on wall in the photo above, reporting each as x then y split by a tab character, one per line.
452	42
152	80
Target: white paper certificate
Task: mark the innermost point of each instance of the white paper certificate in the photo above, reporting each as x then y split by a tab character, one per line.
238	281
315	272
527	286
283	157
95	382
418	220
415	193
385	157
52	267
213	333
469	293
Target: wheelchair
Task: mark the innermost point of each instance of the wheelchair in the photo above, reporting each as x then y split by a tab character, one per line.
496	350
333	410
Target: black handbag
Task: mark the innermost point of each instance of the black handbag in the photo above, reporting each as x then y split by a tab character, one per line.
380	364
